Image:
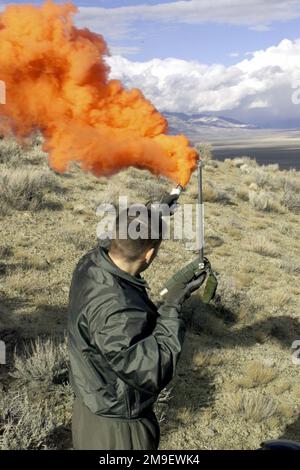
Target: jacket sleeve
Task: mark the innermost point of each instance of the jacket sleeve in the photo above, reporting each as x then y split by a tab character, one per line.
145	361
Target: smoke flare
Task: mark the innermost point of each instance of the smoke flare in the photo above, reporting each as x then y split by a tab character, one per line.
57	81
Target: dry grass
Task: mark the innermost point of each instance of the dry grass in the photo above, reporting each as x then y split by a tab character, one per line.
30	261
252	406
26	425
270	190
255	315
207	323
243	193
185	415
9	151
241	161
25	189
280	296
208	358
30	423
264	201
23	283
213	194
256	374
261	245
290	265
291	197
43	361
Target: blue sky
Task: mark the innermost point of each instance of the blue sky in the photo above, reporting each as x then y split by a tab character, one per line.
209	41
239	58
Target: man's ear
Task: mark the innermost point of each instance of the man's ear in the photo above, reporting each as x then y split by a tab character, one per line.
149	255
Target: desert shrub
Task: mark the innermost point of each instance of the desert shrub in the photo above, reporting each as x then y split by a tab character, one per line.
256	374
279	297
5	251
148	192
25	424
229	297
274	167
262	178
212	194
34	156
246	169
213	241
208	358
108	195
43	361
240	161
291	197
252	406
24	189
243	193
13	155
290	264
205	151
211	164
29	261
18	282
30	422
261	245
143	183
10	151
208	324
264	201
80	238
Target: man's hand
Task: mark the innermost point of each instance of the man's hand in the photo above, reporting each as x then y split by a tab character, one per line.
184	282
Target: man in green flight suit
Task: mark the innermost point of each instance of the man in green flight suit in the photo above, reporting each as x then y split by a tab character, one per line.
123	349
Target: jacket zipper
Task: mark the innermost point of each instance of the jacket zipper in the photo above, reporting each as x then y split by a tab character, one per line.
127	401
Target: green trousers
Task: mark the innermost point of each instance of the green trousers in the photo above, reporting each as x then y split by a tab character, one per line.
93	432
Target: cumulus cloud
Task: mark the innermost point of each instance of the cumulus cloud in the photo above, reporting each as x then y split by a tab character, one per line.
262	83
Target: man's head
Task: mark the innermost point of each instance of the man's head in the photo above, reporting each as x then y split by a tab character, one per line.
137	237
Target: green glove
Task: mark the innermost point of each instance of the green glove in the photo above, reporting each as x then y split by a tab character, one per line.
210	288
179	287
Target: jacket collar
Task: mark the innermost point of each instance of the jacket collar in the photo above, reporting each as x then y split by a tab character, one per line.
103	260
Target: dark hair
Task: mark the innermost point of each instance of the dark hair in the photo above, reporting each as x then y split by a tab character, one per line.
137	229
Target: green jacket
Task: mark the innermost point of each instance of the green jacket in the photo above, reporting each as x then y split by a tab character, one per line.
123	351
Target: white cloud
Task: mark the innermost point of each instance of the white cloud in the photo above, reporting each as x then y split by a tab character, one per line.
263	81
258	104
260	27
124	50
257	14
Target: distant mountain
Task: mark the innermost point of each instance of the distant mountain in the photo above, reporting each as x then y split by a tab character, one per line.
191	124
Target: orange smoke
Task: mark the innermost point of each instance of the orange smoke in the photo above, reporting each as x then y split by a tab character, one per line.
57	81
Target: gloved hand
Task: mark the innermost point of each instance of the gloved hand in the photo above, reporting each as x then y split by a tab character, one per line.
183	283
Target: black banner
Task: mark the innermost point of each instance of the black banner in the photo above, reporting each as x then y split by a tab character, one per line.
143	459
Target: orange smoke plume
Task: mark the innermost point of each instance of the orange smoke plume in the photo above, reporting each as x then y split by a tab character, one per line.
57	81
